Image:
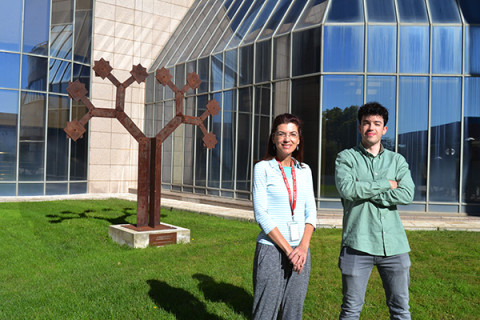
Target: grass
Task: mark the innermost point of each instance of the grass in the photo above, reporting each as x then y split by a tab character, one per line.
58	262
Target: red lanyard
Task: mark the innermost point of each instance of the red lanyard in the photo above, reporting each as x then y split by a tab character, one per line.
292	200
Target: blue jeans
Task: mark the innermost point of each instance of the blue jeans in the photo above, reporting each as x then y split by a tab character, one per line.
356	267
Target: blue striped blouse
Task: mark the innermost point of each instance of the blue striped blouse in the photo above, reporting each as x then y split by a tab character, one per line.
271	202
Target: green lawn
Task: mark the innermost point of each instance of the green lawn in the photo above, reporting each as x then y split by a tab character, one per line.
58	262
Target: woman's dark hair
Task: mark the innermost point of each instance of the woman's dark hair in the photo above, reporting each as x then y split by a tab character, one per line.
285	119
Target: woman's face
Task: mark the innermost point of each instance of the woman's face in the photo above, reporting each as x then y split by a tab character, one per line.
286	139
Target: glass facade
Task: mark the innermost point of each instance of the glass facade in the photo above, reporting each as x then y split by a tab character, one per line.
321	60
44	44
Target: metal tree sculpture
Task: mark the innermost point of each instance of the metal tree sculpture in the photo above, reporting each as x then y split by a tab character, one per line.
149	149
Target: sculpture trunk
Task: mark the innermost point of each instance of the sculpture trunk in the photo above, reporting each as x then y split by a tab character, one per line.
149	182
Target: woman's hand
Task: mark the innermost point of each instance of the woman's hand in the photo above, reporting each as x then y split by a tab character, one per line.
298	258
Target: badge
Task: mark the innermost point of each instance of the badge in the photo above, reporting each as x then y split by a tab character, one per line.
294	232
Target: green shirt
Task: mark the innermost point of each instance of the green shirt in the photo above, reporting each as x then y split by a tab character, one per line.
371	222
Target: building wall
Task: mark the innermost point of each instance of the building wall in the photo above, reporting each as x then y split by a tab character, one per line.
126	33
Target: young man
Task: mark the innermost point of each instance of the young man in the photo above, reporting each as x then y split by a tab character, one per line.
372	181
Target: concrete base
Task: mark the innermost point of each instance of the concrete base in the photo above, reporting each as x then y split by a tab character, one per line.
146	236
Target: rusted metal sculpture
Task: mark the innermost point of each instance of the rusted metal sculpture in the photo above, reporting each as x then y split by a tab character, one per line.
149	149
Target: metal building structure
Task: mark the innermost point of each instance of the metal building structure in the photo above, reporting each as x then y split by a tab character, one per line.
321	60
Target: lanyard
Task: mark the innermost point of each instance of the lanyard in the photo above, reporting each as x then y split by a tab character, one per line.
292	200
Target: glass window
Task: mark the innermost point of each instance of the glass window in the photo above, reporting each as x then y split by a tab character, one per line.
263	61
61	29
239	34
382	49
214	8
470	10
260	21
342	96
382	89
56	188
79	148
471	138
306	51
84	4
281	57
149	85
313	14
8	130
230	69
167	145
245	69
10	66
83	32
200	150
414	43
32	136
232	27
203	69
220	30
149	130
472	50
215	27
217	72
77	188
30	189
82	73
444	11
180	76
244	139
34	73
281	97
445	139
292	16
306	105
345	11
262	120
11	25
447	50
159	90
191	32
214	154
228	139
8	189
173	41
188	148
35	30
381	11
412	11
177	162
413	129
275	19
59	75
57	142
344	49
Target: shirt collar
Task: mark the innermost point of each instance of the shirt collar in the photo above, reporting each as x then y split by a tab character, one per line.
274	163
368	154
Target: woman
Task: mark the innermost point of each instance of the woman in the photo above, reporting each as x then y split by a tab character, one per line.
284	207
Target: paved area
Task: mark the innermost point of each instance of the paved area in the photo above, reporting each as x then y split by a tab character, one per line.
239	209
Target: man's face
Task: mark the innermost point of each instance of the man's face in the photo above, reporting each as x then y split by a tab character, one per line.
372	129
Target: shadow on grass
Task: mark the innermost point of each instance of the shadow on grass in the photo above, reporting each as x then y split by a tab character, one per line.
235	297
87	214
179	302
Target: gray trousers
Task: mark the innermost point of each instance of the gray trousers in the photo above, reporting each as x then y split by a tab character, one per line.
356	268
276	286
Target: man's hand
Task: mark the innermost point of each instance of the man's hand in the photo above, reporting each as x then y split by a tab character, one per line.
393	184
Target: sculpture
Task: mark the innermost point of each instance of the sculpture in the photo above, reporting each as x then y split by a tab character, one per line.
150	149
